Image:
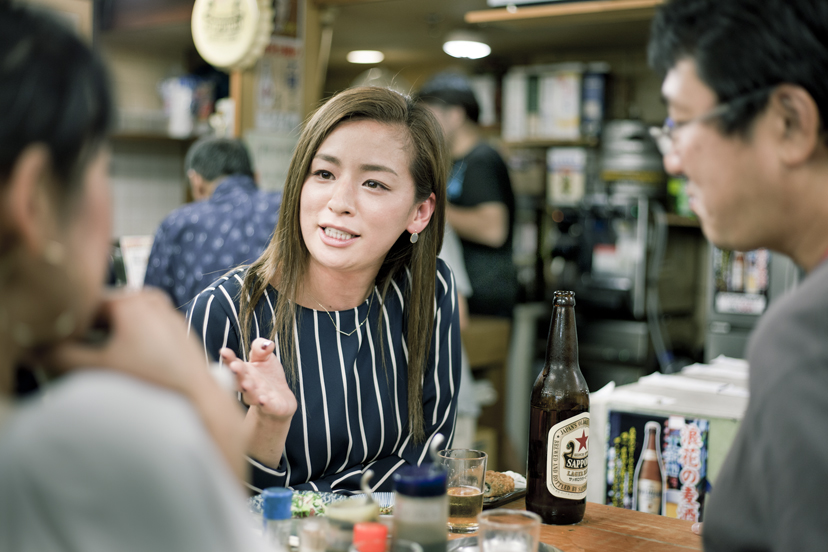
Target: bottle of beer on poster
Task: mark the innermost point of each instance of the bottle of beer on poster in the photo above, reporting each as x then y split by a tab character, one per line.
648	478
559	425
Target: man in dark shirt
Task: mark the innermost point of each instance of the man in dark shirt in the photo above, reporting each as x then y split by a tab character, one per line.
747	98
229	224
481	205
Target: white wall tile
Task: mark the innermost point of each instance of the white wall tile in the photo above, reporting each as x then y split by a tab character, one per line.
147	181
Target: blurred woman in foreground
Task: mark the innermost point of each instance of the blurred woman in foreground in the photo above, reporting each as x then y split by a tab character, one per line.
121	452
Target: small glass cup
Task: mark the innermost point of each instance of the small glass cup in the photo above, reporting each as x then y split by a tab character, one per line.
313	534
342	515
399	545
391	545
353	510
466	474
508	531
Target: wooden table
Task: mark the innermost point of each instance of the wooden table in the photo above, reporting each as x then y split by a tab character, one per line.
611	529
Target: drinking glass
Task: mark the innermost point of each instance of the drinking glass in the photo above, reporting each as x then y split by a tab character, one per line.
388	545
466	474
342	515
508	531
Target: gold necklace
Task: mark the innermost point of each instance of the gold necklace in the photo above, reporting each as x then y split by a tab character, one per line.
335	325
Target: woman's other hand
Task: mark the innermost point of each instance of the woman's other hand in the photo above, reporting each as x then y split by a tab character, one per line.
696	528
262	381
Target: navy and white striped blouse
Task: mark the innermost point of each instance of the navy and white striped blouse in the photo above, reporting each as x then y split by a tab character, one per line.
352	411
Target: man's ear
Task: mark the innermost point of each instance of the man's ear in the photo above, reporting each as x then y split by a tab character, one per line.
198	185
27	212
799	123
456	116
422	215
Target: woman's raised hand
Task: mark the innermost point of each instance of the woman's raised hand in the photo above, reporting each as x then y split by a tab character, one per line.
148	339
145	338
262	380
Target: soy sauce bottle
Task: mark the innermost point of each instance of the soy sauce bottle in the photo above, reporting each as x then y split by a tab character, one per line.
559	425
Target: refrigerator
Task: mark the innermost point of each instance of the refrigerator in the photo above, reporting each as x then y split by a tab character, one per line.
742	285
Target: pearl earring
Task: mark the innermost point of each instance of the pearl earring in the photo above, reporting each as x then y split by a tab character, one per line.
414	237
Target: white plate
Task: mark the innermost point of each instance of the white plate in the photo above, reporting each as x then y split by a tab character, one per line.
255	502
385	500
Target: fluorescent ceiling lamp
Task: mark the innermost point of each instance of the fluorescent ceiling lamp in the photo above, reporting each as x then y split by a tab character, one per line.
466	49
365	56
464	44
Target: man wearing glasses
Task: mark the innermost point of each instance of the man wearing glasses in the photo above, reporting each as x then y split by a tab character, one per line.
746	86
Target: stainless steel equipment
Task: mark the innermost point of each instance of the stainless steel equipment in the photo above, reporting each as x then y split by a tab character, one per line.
741	287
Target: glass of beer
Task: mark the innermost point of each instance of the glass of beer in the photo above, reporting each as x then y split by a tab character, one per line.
509	531
466	470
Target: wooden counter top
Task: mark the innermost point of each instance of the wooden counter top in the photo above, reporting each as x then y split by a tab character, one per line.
611	529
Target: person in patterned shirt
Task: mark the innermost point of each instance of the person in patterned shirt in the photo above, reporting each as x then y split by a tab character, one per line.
229	224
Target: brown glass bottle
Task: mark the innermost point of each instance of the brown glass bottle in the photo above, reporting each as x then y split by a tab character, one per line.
648	478
559	425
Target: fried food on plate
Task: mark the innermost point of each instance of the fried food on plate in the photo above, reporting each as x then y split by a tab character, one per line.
497	484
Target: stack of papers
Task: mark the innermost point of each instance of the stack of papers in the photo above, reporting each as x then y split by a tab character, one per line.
720	367
687	383
718	389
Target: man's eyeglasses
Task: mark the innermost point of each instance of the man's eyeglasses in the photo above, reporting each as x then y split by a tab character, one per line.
665	135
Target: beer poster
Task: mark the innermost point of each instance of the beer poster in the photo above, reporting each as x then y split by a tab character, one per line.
679	457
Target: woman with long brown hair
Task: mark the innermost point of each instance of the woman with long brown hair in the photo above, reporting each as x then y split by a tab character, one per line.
344	335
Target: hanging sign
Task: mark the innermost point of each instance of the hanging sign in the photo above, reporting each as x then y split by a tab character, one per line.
232	34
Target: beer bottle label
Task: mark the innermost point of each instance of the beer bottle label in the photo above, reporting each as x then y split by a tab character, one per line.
566	457
649	496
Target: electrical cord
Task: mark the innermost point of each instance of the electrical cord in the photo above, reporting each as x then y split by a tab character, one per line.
661	342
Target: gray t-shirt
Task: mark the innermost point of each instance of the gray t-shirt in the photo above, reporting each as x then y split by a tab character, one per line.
104	462
771	491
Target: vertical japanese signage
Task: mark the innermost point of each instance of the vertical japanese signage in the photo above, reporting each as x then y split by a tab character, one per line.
684	454
277	96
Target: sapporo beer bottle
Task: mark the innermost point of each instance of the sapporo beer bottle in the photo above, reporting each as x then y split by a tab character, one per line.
559	425
648	480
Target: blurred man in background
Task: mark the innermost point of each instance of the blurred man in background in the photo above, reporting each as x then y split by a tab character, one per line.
481	205
229	224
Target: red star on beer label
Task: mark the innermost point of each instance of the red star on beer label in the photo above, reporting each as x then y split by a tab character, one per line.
582	440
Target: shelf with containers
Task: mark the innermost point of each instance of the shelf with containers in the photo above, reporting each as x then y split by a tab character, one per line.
545	144
552	115
604	12
143	46
555	101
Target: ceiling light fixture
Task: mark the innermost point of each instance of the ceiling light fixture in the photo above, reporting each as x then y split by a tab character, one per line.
466	44
365	56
